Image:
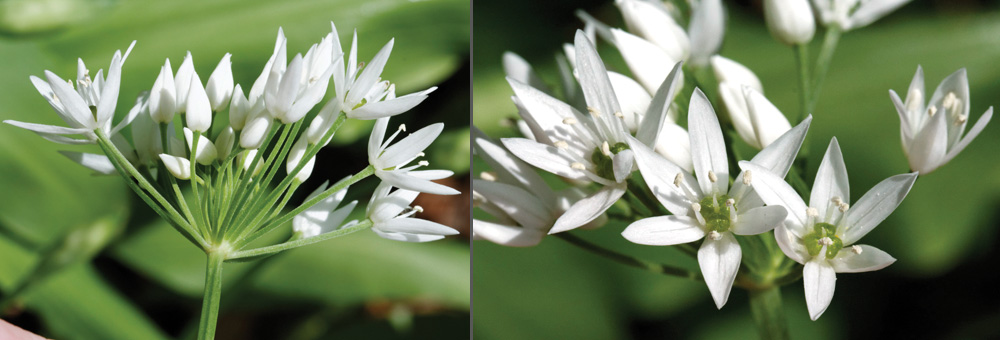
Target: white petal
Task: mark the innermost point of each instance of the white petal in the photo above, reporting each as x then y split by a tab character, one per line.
976	129
664	231
653	23
324	120
509	169
720	261
517	203
869	11
588	209
255	131
409	147
99	163
656	115
905	129
109	90
597	88
774	191
179	167
779	155
623	164
659	175
410	225
734	98
519	69
929	146
390	107
632	97
767	121
199	110
649	63
71	101
238	108
220	84
183	81
790	245
831	180
876	205
224	142
732	72
674	143
546	116
545	157
706	30
506	235
819	280
47	129
370	75
406	180
405	237
708	149
287	91
759	220
205	152
869	259
376	138
295	155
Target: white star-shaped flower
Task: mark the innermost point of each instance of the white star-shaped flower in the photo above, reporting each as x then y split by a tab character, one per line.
932	134
390	215
851	14
392	162
324	216
706	207
821	236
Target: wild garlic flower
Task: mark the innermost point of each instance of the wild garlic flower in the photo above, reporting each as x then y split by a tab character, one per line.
390	214
705	207
757	121
821	236
325	216
847	15
584	148
932	134
523	205
391	163
791	22
87	108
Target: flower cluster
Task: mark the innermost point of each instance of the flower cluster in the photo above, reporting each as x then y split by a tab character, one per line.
690	185
237	194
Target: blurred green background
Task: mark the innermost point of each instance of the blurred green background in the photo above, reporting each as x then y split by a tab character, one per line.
127	275
944	235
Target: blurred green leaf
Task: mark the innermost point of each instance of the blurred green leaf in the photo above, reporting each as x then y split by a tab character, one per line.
362	266
451	151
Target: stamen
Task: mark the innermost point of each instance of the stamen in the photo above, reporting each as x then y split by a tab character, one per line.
730	203
578	166
826	241
606	149
711	176
697	213
931	110
812	212
856	249
561	144
488	176
914	99
593	111
747	177
421	154
961	119
836	200
619	115
569	121
843	207
361	65
402	127
423	163
714	235
678	179
949	100
418	208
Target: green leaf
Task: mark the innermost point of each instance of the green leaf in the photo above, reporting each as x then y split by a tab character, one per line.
362	266
451	151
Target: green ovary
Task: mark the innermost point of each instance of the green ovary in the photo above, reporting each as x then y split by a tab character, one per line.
821	230
716	213
604	165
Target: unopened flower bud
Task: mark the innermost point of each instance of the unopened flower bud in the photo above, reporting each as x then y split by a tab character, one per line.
790	21
220	84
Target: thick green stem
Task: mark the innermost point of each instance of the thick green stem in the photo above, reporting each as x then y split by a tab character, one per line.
629	260
830	41
213	293
768	313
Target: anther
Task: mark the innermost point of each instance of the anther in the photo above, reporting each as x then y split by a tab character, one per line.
619	115
678	179
569	121
423	163
961	119
914	99
730	202
696	207
856	249
578	166
421	154
931	111
361	65
606	149
593	111
697	213
826	241
402	127
812	212
843	207
488	176
714	235
836	200
418	208
561	144
747	177
711	176
949	100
